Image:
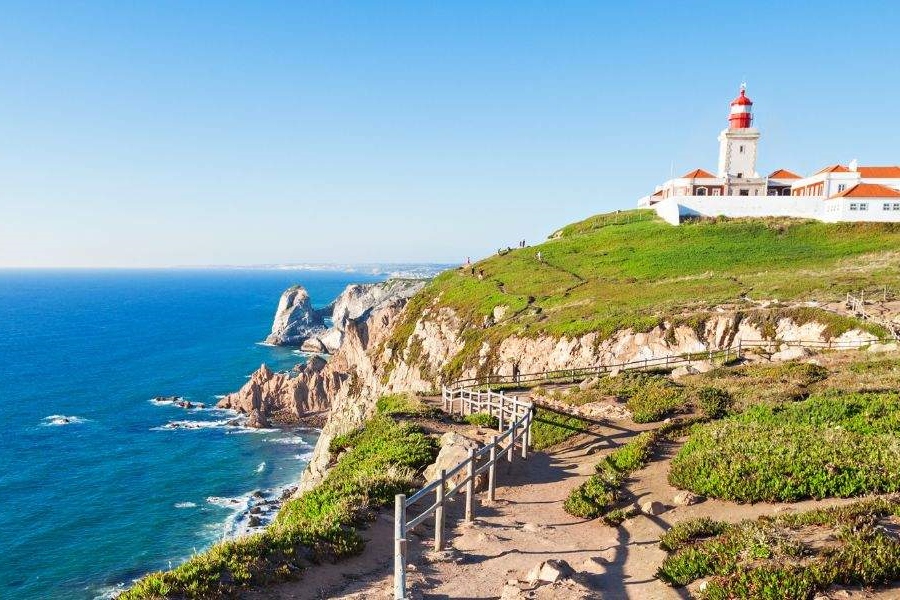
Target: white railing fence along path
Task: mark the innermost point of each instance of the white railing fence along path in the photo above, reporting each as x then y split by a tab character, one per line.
514	424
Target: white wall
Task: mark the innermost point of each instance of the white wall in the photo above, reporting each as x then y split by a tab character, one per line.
874	211
672	210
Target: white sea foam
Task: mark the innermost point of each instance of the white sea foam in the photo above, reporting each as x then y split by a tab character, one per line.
291	439
110	592
261	467
225	502
158	402
229	424
56	420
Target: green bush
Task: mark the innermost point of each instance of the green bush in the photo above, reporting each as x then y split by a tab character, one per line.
382	459
550	428
481	419
654	401
829	446
713	402
771	558
403	405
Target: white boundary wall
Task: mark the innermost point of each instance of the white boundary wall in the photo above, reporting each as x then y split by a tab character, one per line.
675	208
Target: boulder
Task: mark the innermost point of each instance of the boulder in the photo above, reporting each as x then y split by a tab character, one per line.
454	450
313	344
587	383
878	347
792	353
257	419
653	508
685	499
550	571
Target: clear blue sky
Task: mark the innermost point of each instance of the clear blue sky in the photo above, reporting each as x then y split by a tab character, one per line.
173	133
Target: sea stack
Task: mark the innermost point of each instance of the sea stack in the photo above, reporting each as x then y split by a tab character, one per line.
295	319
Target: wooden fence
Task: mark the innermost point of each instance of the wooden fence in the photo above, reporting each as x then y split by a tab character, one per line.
509	410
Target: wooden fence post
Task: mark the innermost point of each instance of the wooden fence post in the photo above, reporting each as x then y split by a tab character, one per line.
524	441
470	487
400	547
512	442
492	471
439	513
500	403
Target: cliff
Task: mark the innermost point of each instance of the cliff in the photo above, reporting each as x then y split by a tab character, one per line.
295	318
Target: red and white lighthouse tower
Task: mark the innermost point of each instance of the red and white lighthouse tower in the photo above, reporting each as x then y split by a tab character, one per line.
741	111
737	149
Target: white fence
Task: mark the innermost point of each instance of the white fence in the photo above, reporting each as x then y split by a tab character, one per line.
518	416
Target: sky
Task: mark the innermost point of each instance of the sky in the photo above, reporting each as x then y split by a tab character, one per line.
150	134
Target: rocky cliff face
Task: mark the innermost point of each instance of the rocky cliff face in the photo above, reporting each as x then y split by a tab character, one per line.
295	318
354	303
438	337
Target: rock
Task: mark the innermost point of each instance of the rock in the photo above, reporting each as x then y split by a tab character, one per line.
792	353
257	419
511	591
255	510
878	347
295	318
653	508
685	499
682	371
550	571
499	312
254	521
454	450
257	494
587	383
313	344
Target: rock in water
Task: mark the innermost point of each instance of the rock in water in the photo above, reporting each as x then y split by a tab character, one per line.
295	319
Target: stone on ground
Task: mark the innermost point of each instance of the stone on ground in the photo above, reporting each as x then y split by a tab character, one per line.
653	508
685	499
550	571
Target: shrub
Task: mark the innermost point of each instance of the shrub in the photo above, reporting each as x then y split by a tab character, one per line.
713	402
828	446
654	401
769	557
481	419
403	405
550	428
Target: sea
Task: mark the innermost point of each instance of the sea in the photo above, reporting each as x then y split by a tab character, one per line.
99	483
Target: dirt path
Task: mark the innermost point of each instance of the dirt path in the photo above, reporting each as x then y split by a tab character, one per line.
527	525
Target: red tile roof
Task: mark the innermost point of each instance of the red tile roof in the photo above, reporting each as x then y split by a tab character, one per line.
868	190
889	172
783	174
698	174
834	169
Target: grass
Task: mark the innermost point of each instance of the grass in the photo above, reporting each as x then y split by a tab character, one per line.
831	445
790	557
482	419
632	270
380	460
551	428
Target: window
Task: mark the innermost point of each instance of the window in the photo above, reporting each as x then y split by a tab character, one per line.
863	206
853	206
716	193
896	206
787	191
700	191
744	193
886	206
741	149
740	175
841	187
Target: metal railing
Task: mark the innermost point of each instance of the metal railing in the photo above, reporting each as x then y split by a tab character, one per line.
517	416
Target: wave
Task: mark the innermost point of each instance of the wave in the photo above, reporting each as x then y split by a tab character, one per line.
235	423
261	467
185	505
290	439
57	420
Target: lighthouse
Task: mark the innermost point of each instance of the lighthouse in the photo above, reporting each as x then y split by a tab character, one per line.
737	148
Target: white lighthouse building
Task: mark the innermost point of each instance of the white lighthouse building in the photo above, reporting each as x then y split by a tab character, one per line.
836	193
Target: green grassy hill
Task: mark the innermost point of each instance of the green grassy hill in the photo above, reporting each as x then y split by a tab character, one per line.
631	269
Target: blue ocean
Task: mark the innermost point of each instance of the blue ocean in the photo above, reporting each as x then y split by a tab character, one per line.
97	486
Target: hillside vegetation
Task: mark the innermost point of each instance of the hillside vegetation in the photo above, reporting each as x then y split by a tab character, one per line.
631	269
